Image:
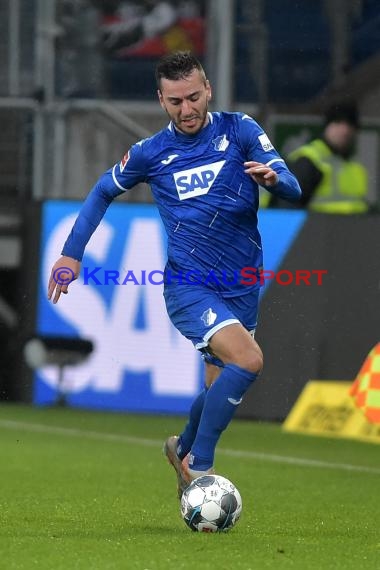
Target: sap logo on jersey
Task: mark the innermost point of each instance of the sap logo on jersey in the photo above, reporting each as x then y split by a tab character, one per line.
197	181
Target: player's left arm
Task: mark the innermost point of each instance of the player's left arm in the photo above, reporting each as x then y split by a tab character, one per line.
266	167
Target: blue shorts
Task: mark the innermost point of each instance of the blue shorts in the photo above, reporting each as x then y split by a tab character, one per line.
199	312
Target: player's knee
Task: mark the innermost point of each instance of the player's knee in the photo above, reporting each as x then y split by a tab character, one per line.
254	362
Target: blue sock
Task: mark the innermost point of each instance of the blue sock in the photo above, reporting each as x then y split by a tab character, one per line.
220	404
186	439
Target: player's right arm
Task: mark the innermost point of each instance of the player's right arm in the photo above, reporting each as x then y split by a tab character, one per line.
124	175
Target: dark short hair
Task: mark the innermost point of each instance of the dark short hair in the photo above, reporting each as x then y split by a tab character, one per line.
345	110
177	65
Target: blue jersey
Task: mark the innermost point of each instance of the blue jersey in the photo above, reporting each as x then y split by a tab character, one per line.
207	203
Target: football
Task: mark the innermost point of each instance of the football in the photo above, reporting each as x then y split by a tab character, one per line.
211	504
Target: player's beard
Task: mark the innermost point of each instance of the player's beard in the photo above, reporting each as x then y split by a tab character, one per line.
200	118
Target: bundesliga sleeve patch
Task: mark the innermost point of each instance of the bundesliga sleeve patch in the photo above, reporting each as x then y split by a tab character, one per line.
124	161
265	142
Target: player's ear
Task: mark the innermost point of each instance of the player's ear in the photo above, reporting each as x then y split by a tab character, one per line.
161	99
208	90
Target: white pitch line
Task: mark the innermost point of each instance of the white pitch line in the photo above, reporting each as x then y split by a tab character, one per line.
268	457
299	461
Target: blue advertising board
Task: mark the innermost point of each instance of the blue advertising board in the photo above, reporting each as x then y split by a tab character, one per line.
140	362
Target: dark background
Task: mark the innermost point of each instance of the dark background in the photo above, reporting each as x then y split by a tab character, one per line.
319	332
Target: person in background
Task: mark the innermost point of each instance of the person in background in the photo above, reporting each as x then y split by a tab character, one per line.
150	27
125	24
79	60
204	170
332	181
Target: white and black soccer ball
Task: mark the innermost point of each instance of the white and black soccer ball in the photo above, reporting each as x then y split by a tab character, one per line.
211	503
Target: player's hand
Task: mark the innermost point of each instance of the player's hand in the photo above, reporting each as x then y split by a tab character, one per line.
262	174
64	271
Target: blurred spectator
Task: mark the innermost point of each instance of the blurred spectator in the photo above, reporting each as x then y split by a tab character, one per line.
131	23
109	47
133	35
332	181
79	58
148	28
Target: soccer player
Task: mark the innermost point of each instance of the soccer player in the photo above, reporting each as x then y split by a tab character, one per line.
204	170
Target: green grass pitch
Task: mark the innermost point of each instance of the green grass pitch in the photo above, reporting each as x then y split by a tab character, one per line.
91	491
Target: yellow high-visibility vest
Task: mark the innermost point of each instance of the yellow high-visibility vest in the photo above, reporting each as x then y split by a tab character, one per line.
344	185
264	197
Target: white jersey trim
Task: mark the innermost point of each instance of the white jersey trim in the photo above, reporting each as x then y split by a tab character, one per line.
212	331
116	182
275	160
